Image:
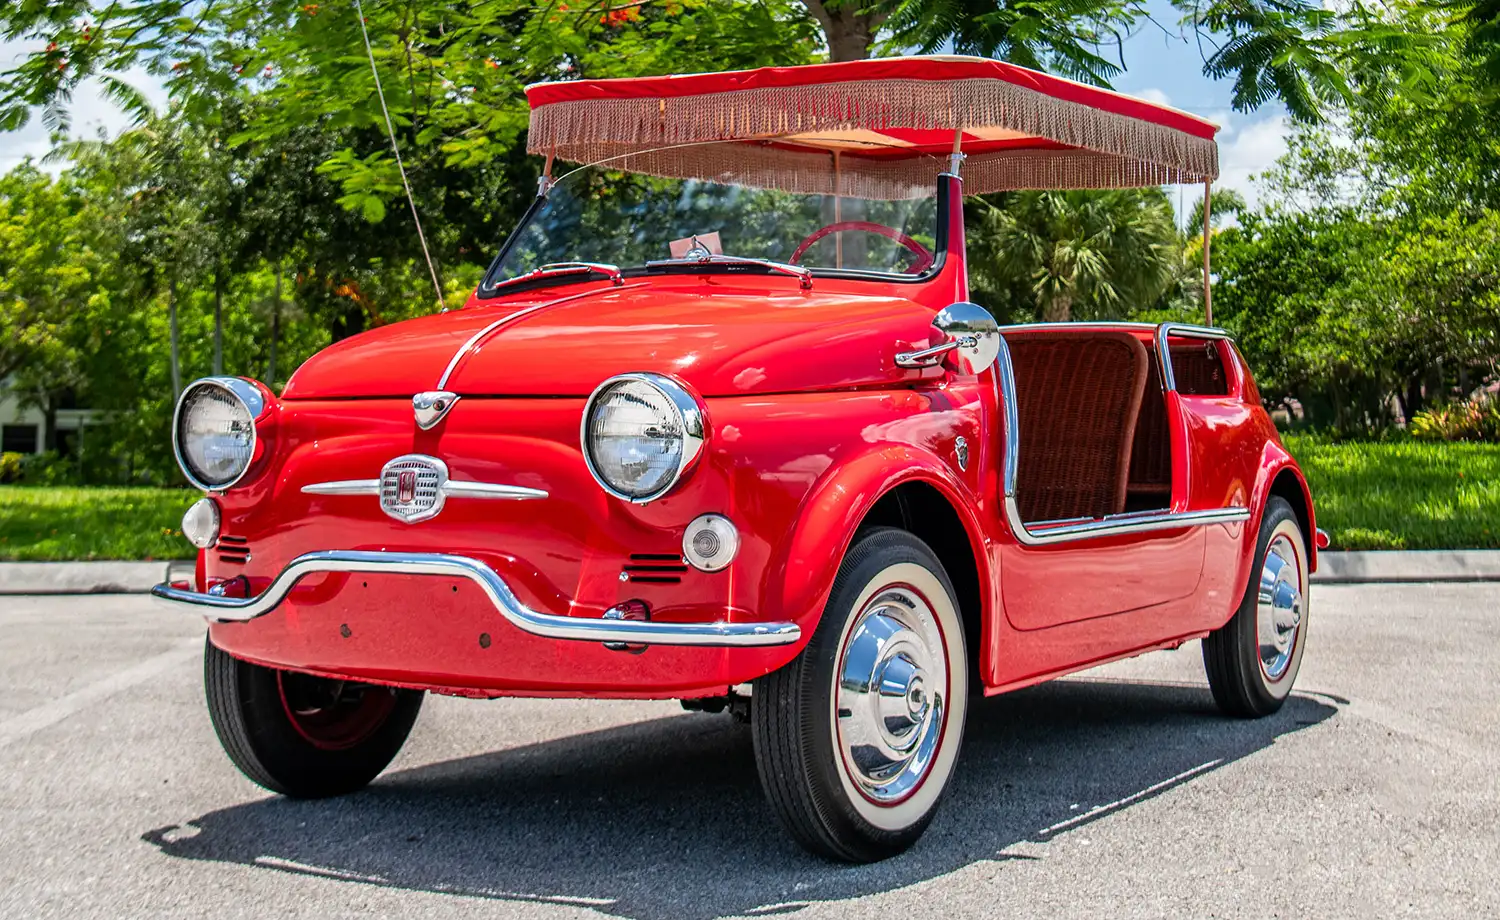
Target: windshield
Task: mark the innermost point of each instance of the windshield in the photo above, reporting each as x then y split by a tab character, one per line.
621	220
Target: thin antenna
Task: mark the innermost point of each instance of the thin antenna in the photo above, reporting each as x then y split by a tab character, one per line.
400	167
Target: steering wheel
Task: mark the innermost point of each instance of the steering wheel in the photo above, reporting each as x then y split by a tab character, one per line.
924	257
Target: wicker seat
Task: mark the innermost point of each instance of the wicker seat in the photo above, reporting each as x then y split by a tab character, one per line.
1078	396
1151	453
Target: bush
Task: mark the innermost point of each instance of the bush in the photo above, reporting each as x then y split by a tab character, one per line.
49	469
11	466
1475	420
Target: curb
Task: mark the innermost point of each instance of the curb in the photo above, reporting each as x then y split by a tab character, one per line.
88	577
1387	566
1334	568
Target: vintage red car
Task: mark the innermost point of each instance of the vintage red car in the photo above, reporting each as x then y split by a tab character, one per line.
720	413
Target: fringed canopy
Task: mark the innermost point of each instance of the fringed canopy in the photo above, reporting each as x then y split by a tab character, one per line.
873	129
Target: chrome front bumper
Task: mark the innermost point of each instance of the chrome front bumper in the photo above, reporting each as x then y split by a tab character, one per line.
636	632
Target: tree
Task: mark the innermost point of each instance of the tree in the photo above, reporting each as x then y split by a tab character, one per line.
1095	253
55	299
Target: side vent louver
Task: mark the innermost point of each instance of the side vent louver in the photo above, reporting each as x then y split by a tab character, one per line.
234	550
654	569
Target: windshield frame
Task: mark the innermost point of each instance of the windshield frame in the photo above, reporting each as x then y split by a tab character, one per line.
490	288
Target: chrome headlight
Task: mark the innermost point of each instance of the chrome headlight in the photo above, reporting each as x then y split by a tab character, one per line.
641	433
213	430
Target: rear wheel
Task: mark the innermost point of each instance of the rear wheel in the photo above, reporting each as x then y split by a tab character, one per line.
304	736
857	737
1252	660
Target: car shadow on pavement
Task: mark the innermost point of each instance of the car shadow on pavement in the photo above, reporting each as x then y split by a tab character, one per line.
664	819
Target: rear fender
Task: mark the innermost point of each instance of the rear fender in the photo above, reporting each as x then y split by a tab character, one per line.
1274	460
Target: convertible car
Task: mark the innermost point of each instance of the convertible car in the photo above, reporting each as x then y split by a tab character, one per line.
720	424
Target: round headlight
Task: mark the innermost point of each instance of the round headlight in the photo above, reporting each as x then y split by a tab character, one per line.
641	432
213	430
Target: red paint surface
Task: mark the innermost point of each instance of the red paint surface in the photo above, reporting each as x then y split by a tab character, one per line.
810	424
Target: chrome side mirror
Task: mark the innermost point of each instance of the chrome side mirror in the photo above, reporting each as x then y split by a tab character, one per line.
970	340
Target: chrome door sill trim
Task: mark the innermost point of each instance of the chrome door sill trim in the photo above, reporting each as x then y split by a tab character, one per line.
551	626
1040	533
452	488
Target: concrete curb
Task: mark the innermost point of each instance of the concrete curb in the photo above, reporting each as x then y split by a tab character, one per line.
1377	567
88	577
1334	568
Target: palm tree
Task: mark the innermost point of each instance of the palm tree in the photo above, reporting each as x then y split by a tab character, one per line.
1066	253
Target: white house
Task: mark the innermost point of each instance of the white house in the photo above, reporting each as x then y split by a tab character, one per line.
23	431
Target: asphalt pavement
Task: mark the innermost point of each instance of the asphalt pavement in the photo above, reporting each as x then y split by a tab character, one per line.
1118	793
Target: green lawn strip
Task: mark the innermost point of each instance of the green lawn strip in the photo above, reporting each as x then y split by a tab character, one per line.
1369	495
1403	494
42	523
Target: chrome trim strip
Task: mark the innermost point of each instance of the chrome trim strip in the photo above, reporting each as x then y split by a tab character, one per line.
479	336
1042	533
452	488
1164	354
551	626
344	487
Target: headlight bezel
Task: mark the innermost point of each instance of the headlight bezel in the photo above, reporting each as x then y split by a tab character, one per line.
691	416
250	398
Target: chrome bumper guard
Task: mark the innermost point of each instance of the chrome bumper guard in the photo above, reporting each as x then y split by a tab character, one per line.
638	632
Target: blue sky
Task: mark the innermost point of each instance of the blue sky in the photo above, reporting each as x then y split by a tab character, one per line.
1161	65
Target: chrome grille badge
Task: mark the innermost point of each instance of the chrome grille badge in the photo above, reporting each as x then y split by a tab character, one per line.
412	487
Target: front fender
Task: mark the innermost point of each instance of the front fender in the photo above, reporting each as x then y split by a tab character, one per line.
833	510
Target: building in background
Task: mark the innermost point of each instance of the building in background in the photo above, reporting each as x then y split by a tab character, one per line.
23	430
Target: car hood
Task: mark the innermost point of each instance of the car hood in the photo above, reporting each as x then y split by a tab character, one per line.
720	336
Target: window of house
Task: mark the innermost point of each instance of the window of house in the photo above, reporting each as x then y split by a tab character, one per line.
21	439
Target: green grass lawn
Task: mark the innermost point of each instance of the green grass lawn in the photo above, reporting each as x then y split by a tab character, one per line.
1403	494
1369	495
40	523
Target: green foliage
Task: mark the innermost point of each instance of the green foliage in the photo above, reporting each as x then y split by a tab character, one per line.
1403	494
1472	420
1074	254
10	467
39	524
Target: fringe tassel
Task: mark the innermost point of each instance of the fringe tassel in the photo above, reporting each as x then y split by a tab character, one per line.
1125	151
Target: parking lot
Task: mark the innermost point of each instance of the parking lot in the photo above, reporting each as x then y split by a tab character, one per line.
1374	793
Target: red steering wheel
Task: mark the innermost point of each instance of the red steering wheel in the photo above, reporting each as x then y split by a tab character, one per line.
924	258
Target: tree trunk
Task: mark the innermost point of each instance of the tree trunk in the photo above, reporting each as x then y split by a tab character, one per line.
275	330
218	323
175	335
1057	308
49	423
848	32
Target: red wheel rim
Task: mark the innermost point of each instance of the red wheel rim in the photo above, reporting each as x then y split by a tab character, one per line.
333	715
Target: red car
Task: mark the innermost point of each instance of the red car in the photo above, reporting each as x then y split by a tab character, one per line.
719	414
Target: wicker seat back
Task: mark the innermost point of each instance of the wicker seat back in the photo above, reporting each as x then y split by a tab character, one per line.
1078	396
1151	453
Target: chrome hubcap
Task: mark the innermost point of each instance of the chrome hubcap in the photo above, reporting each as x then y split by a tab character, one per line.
892	679
1278	609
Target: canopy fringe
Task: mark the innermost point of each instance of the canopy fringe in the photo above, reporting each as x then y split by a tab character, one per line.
1125	151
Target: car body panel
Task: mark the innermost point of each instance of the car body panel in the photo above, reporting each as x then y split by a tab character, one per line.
810	423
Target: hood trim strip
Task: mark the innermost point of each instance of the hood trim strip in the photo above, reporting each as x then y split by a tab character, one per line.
474	340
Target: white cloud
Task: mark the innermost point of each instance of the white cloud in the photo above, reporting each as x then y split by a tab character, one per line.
1247	147
1152	94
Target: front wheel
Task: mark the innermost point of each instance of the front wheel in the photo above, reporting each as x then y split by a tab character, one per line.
1253	659
857	737
303	736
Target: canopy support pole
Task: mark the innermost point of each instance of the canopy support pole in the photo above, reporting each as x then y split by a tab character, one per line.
1208	303
838	211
